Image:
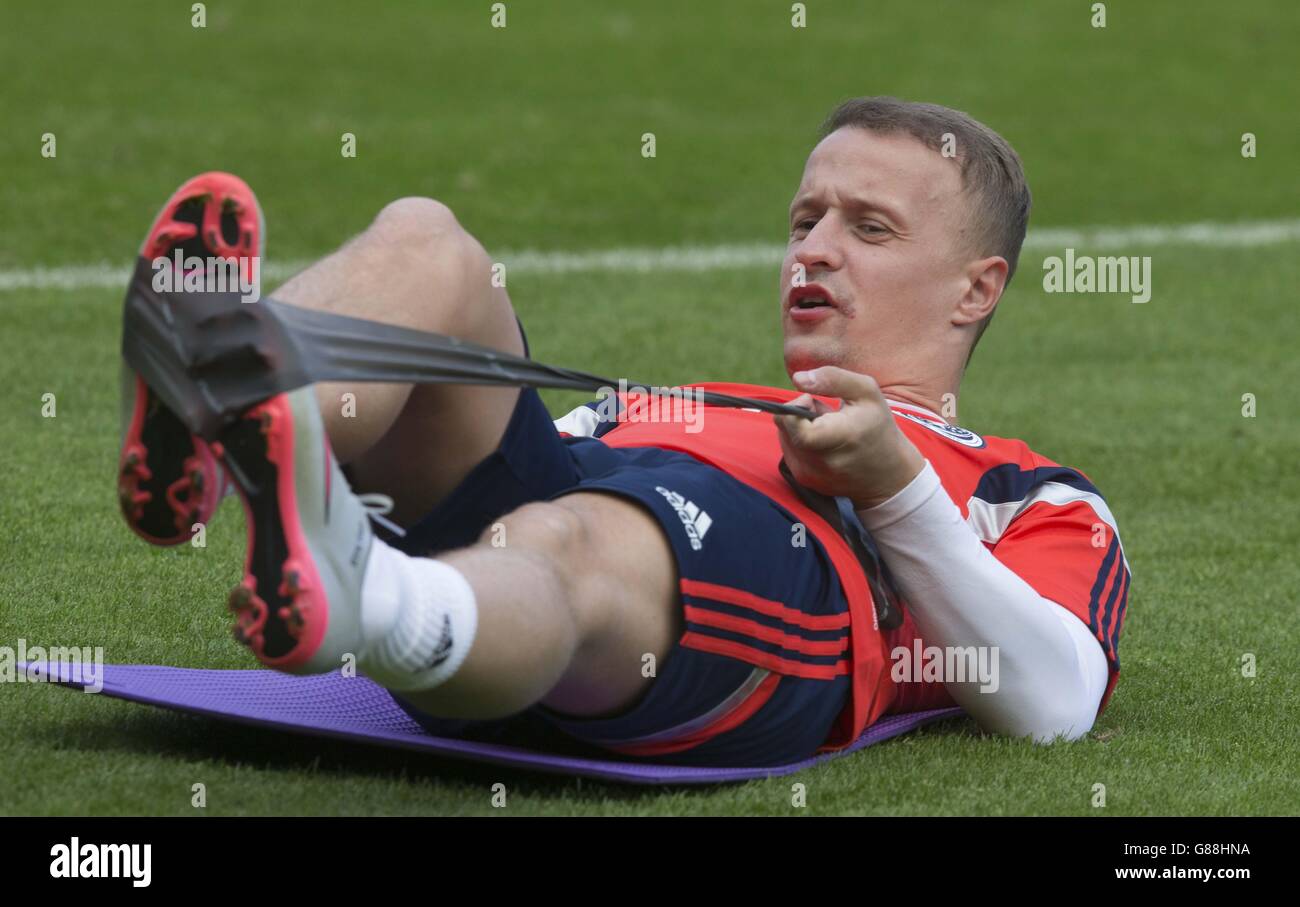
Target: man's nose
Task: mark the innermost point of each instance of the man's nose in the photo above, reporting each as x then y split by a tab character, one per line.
820	249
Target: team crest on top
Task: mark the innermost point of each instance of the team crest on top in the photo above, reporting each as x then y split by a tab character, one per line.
951	432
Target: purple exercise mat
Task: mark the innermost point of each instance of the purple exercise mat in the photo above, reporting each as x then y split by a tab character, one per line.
330	705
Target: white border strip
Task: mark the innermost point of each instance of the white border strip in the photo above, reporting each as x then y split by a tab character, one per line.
990	521
724	257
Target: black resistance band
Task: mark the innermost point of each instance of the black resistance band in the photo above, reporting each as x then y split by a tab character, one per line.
210	356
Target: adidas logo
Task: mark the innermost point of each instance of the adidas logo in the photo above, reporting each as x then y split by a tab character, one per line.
443	651
694	520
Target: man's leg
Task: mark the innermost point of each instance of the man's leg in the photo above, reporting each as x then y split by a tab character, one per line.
558	601
415	266
564	614
558	604
577	637
583	590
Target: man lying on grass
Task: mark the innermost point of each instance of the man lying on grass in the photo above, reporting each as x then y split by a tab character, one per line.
658	588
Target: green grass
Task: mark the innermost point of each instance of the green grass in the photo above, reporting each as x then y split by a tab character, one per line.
532	135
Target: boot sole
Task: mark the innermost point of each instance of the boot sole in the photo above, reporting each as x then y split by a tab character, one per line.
280	605
167	478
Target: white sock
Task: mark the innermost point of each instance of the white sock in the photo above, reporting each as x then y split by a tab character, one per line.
418	618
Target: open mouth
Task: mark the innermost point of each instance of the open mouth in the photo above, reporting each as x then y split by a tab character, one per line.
810	298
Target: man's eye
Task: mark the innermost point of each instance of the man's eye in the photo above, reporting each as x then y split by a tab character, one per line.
804	225
874	229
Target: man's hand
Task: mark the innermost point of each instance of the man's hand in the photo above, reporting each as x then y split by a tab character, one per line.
856	451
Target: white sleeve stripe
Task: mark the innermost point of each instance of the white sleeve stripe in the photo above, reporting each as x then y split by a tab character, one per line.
990	521
581	422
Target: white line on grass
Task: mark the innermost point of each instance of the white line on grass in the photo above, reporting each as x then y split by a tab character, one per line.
722	257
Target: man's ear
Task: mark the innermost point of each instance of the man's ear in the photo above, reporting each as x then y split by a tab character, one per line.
986	277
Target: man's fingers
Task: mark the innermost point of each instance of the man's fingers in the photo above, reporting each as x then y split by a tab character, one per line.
789	425
829	429
832	427
833	381
808	401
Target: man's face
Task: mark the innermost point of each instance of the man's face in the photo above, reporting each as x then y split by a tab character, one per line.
876	228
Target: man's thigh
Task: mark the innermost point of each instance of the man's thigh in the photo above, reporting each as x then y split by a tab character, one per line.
415	267
622	577
445	430
759	666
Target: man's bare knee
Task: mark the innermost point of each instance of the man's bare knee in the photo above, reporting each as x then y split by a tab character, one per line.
429	229
544	528
427	247
559	538
416	219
